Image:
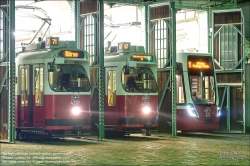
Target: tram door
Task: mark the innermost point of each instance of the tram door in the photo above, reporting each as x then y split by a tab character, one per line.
25	103
111	116
38	98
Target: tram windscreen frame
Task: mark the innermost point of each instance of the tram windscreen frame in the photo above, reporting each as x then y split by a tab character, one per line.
138	79
202	80
69	78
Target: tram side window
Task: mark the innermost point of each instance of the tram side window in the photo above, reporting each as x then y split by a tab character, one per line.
180	89
111	88
209	88
196	87
24	87
39	87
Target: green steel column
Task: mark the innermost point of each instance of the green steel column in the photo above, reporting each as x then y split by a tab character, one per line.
77	23
147	27
228	108
12	129
210	35
101	71
247	98
244	73
173	71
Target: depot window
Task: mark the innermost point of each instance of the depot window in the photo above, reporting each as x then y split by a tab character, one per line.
88	36
161	37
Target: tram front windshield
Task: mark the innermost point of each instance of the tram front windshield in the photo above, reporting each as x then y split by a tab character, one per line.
138	79
202	86
69	78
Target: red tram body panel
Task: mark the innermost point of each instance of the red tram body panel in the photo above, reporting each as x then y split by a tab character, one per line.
129	114
52	90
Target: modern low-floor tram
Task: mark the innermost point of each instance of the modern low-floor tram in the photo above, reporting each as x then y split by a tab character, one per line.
197	94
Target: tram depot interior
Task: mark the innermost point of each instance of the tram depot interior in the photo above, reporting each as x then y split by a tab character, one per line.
124	21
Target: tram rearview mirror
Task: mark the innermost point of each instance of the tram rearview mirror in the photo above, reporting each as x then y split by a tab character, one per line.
50	66
126	71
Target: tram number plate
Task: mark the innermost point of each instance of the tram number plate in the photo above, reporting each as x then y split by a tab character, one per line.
208	121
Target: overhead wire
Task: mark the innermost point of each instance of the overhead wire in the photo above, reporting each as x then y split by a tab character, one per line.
29	14
199	6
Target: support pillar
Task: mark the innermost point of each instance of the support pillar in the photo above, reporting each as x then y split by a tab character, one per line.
12	55
173	69
77	23
101	70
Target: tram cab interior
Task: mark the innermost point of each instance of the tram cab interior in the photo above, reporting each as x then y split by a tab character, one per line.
69	78
138	79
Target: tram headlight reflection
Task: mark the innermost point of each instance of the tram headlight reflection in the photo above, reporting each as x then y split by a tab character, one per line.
146	110
192	111
76	110
218	111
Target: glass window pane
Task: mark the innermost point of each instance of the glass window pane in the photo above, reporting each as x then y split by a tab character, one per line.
69	78
180	89
39	86
24	86
111	88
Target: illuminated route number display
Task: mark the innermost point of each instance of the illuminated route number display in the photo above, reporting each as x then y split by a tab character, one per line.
199	63
71	54
53	41
138	57
123	46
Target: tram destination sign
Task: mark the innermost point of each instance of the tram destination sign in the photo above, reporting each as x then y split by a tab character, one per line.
200	62
140	57
71	54
198	65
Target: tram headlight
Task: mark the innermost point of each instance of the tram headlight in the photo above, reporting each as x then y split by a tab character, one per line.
218	111
76	110
146	110
192	111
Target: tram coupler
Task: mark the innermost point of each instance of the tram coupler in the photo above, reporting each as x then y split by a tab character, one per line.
148	132
79	132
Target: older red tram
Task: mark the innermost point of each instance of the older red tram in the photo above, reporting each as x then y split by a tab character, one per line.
130	89
52	90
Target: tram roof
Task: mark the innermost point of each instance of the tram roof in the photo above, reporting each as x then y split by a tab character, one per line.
39	51
117	58
181	56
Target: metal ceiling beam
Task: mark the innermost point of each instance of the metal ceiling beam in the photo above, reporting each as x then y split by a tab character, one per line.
194	4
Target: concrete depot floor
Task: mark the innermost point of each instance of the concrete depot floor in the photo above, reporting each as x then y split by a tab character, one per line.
136	149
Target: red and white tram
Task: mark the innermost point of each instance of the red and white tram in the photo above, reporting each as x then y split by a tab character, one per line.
131	89
197	94
52	90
